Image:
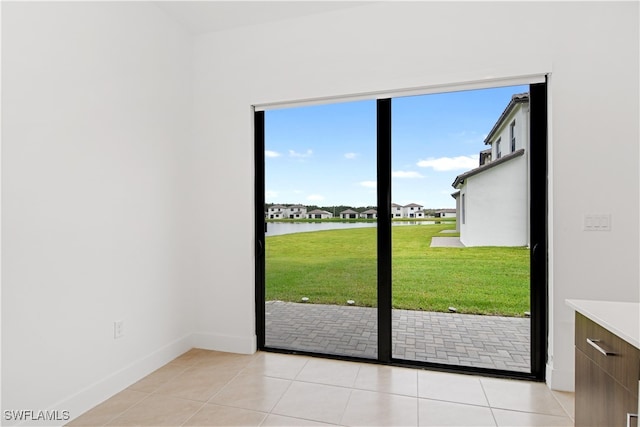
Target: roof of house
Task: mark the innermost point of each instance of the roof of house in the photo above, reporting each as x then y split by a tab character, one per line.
278	207
297	207
370	211
446	211
460	178
413	205
395	205
318	211
518	98
349	211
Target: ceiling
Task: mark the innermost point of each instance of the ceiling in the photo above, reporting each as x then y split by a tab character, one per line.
200	17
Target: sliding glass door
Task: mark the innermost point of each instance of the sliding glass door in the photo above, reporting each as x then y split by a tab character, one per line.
409	230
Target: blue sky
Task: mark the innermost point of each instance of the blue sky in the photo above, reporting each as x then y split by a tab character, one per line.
326	154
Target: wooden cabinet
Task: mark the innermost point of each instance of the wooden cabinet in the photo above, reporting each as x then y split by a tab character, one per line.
607	377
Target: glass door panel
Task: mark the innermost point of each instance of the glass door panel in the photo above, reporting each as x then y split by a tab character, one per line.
460	233
320	242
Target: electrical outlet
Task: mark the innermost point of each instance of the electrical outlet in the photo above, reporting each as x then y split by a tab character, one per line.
118	329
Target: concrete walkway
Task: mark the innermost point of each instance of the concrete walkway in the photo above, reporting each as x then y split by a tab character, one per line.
446	242
450	338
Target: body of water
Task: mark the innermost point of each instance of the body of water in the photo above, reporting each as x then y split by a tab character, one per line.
279	228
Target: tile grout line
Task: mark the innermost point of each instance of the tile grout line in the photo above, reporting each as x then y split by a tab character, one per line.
126	410
495	421
572	417
194	414
291	381
351	389
344	410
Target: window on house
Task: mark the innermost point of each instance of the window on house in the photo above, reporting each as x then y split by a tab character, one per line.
512	135
463	209
498	149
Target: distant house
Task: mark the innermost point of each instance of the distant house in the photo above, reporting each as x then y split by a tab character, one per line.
369	214
413	210
349	214
396	210
492	200
296	211
319	214
446	213
276	212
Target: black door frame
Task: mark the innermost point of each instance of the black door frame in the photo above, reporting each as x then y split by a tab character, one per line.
538	236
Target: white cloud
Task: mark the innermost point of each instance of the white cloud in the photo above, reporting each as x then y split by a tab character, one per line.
369	184
450	163
350	156
270	195
292	153
315	198
406	174
269	153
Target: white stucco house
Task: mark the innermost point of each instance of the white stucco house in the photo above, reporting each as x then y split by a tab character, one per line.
319	214
412	210
492	200
349	214
276	212
446	213
283	212
369	214
296	211
396	210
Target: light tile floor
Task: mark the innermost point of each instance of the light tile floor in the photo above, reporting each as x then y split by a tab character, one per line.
209	388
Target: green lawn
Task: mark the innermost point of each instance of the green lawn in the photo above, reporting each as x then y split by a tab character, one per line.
331	267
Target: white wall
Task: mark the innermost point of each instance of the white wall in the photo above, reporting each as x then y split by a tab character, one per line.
497	206
389	46
96	110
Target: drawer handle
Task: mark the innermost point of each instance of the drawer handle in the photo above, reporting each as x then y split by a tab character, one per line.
595	344
629	416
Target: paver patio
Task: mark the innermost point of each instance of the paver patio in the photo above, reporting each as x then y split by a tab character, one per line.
493	342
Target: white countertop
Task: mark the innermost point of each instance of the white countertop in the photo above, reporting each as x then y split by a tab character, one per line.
621	318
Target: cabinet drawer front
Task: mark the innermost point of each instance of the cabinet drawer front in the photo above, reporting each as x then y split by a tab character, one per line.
623	364
600	400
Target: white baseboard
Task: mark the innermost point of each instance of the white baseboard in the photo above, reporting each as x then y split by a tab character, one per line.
228	343
100	391
560	380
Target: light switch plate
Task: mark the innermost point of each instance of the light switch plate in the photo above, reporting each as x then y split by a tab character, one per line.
597	222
